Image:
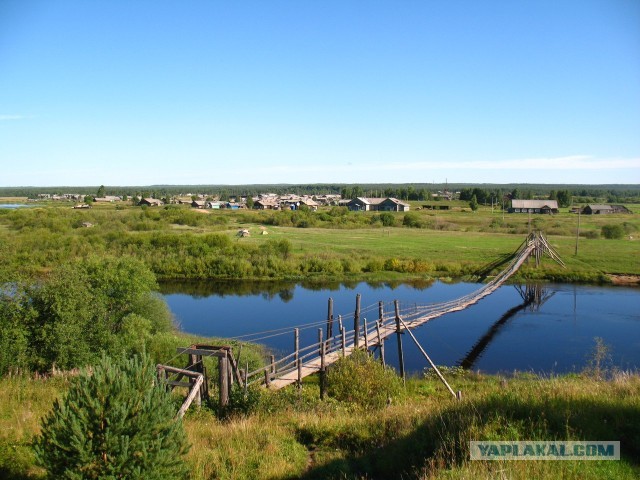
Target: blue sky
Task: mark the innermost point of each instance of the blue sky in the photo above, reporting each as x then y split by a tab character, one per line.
211	92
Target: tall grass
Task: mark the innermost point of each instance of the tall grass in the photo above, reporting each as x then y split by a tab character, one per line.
422	435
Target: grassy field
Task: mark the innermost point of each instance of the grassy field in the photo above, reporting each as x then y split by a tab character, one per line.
459	241
331	243
422	434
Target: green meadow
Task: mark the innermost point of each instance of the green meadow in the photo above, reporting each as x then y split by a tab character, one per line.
179	242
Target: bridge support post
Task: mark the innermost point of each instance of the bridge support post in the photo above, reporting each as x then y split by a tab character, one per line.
380	343
366	340
323	371
223	380
399	335
296	347
356	323
329	321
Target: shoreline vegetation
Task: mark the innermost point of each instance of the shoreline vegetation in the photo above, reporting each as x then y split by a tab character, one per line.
178	242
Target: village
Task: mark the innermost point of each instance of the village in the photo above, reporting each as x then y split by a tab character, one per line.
272	201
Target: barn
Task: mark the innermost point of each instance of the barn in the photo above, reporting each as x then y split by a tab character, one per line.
595	209
534	206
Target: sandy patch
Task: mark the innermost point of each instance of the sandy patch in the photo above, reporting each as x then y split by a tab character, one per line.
625	279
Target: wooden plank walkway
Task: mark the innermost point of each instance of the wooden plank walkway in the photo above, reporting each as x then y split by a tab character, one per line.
337	347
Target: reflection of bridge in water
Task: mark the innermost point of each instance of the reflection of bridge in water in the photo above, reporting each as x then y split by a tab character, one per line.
533	297
392	319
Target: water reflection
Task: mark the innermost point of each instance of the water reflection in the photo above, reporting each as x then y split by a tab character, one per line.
533	297
270	289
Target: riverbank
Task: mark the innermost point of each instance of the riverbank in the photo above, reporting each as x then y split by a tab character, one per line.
422	434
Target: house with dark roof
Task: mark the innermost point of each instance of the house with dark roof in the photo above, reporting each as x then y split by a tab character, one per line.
393	205
594	209
389	204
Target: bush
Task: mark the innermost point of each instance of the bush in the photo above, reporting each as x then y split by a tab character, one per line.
612	232
113	423
590	234
83	309
361	380
387	219
413	220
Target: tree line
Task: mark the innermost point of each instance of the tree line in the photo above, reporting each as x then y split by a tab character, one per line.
410	191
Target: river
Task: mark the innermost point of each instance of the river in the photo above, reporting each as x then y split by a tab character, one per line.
554	335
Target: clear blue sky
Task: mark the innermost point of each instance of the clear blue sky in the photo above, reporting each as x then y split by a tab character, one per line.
231	92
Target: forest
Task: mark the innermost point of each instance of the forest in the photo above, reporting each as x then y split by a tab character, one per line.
416	191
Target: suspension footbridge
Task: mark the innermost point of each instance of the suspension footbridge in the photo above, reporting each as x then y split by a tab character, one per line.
314	358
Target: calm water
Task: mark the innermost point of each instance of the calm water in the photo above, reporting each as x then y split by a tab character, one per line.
496	335
14	205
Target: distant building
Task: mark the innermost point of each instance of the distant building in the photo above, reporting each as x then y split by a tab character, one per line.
393	205
604	209
265	204
310	203
151	202
534	206
107	199
390	204
362	204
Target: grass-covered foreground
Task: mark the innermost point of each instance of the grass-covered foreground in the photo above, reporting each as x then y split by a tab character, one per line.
420	433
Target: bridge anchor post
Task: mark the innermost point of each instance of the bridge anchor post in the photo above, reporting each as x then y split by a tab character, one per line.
399	335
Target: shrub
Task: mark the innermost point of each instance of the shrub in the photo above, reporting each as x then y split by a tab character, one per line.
413	220
387	219
113	423
612	232
361	380
590	234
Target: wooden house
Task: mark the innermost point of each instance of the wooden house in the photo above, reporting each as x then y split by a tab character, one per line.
393	205
594	209
309	203
265	204
534	206
389	204
151	202
362	204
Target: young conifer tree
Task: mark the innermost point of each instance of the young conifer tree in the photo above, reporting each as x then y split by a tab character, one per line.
113	422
